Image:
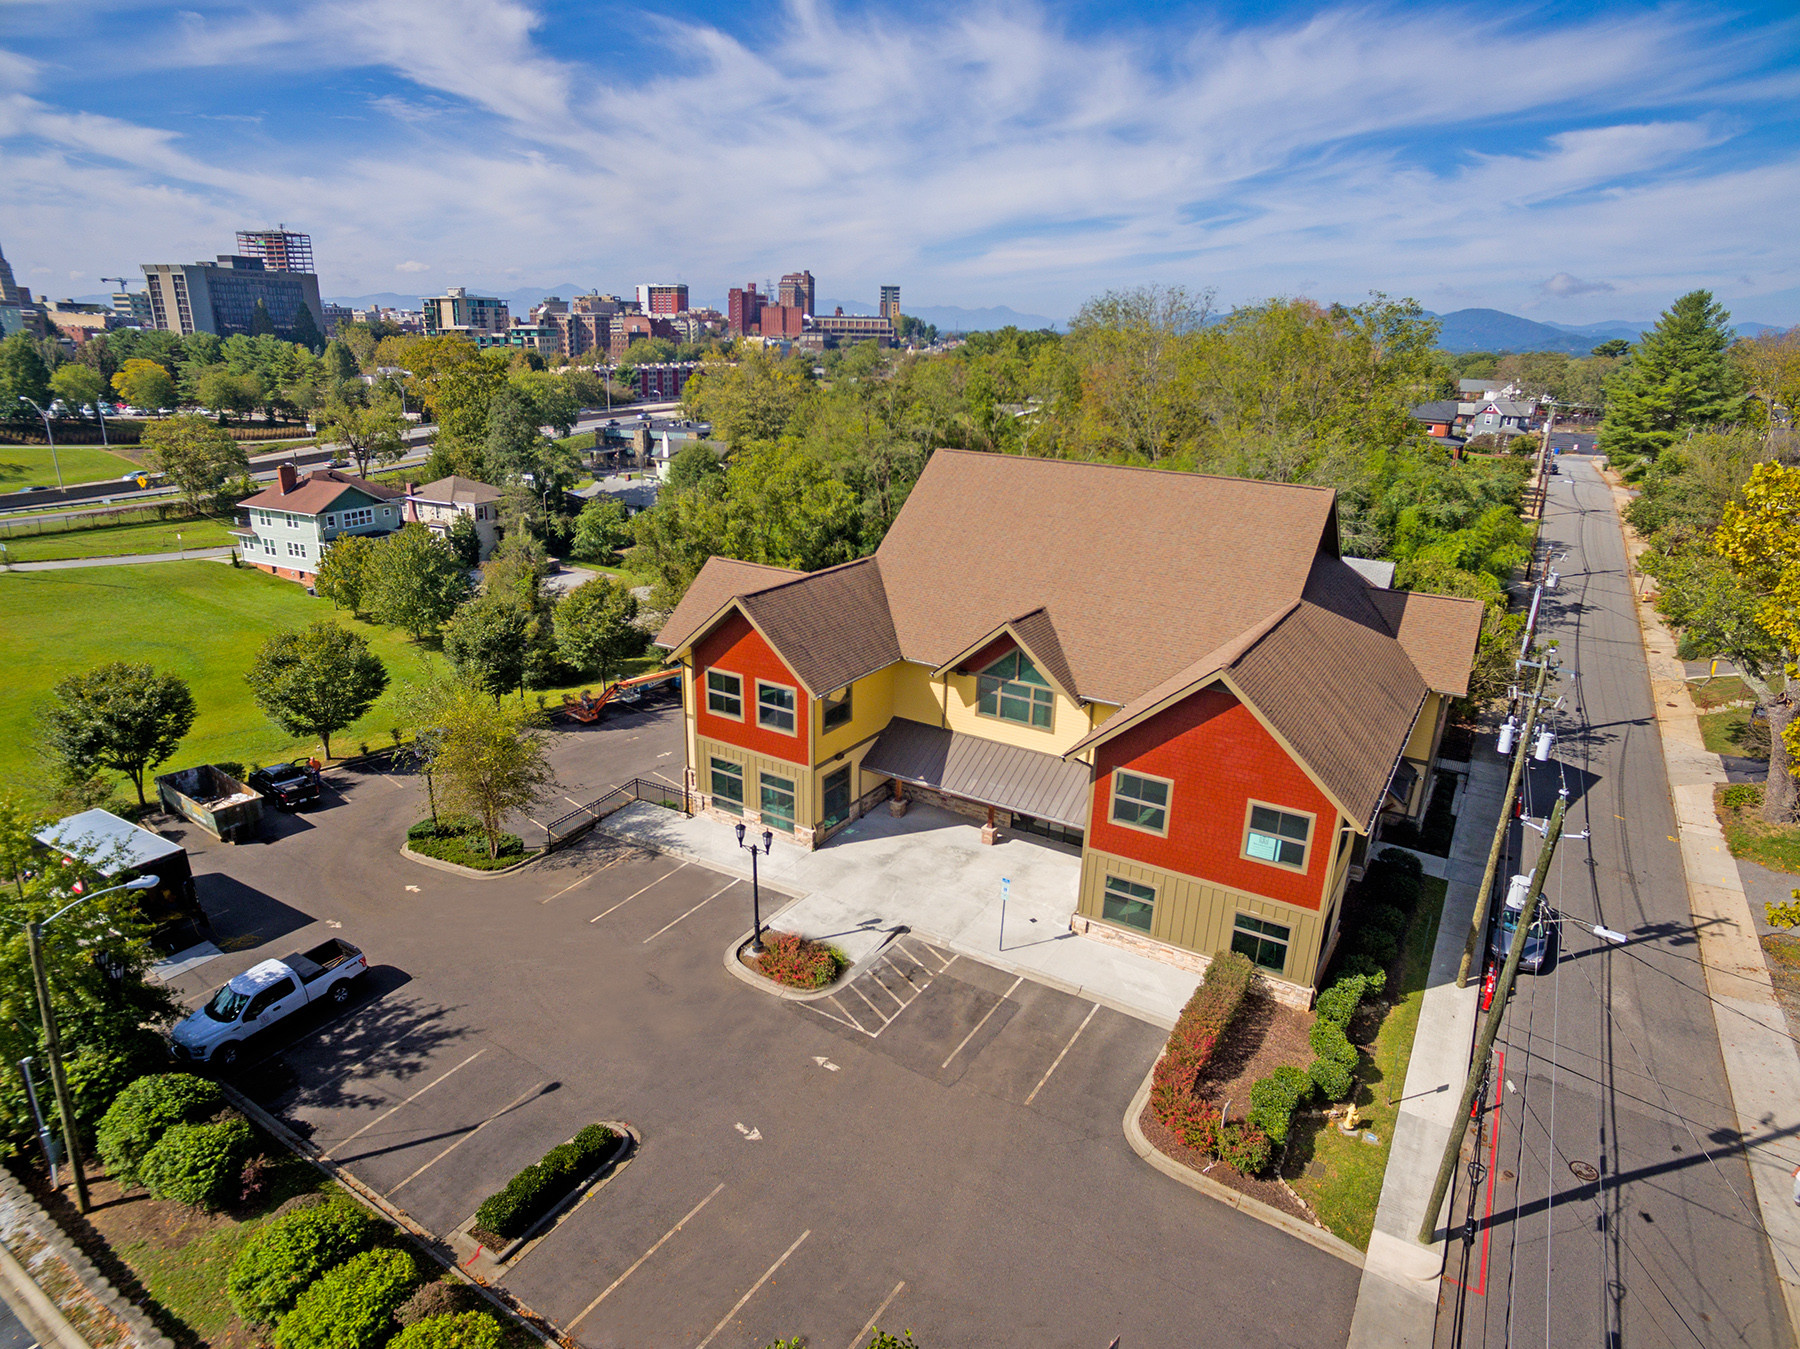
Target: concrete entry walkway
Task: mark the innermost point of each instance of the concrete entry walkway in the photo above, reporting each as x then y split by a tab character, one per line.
928	872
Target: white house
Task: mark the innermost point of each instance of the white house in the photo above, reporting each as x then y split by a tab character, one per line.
437	504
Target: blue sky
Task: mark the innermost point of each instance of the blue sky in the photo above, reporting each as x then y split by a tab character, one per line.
1568	162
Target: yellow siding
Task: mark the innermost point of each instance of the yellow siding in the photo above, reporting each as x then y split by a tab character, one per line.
1069	723
871	708
917	696
1197	916
1418	746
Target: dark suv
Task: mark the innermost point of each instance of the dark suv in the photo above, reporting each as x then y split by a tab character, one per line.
288	786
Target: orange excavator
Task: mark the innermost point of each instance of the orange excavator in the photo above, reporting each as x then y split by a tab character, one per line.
587	709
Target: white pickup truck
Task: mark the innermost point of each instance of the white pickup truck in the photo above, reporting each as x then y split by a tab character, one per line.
263	995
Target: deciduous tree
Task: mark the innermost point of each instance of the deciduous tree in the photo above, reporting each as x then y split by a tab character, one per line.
490	758
602	529
347	571
486	641
145	384
23	374
78	385
596	627
197	456
418	582
316	681
370	430
121	716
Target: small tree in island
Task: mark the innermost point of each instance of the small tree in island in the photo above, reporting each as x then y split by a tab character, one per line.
488	759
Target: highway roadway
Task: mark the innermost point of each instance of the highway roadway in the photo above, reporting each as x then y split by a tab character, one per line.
1612	1206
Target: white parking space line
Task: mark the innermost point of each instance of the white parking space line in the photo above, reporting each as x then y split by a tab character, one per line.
325	1156
979	1024
635	893
590	876
465	1138
1059	1058
613	1286
696	909
768	1274
862	1335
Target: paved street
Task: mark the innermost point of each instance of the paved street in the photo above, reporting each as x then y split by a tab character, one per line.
1613	1206
941	1142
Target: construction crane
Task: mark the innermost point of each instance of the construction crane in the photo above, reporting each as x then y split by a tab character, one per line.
124	284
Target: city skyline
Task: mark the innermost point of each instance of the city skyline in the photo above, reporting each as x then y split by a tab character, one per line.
1570	164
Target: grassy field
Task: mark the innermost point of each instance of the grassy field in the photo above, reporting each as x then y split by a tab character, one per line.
156	536
201	620
1347	1188
1724	731
30	466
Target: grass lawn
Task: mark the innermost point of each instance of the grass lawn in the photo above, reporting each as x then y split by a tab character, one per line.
1723	732
30	465
1751	837
1346	1193
155	536
1718	692
204	621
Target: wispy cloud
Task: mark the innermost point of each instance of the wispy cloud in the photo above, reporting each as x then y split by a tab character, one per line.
998	152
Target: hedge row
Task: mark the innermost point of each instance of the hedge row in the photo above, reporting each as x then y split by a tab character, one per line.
1376	919
170	1133
141	1114
352	1305
541	1186
288	1253
1207	1016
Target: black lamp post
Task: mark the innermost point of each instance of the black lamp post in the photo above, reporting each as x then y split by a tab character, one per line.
768	842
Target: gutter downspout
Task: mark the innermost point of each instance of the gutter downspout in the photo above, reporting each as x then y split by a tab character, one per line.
689	726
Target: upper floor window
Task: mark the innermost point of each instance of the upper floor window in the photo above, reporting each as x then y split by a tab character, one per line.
775	707
1013	690
1140	802
725	694
1278	836
837	711
356	518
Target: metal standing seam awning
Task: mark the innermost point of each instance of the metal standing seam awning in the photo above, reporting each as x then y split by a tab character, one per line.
1024	781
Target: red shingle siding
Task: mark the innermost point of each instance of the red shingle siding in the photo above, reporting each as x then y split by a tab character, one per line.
736	647
1220	759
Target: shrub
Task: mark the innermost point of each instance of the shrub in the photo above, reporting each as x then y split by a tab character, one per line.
458	838
1401	862
443	1298
139	1116
1742	796
253	1180
1328	1041
287	1253
298	1204
198	1164
798	962
1273	1100
1331	1078
1244	1148
352	1306
541	1186
1207	1016
1339	1002
467	1330
1361	962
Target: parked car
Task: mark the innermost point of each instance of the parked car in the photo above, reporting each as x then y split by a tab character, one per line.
287	786
263	995
1539	955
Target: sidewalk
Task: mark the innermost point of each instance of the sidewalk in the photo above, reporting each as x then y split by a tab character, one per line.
1397	1303
1761	1065
129	560
929	873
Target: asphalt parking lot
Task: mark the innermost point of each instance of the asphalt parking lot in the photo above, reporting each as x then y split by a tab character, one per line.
939	1142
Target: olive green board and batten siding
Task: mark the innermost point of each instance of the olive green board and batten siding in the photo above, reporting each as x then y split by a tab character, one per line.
1196	916
754	766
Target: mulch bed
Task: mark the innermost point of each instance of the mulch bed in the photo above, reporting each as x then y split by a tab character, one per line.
1265	1035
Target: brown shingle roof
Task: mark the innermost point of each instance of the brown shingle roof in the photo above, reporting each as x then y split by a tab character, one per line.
832	627
721	579
1439	634
456	488
315	493
1146	571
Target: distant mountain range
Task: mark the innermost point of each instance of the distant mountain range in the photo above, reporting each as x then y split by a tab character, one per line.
1493	330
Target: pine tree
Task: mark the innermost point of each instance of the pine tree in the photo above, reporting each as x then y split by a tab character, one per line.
261	325
1679	378
306	330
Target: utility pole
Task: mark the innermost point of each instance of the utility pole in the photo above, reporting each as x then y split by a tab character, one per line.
1543	456
1484	1045
1478	923
71	1139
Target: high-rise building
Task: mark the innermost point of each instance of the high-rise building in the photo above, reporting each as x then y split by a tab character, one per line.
280	249
662	299
221	297
797	291
744	310
18	311
890	304
457	311
781	320
133	308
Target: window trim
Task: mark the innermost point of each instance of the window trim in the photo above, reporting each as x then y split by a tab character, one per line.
1030	703
828	705
1286	944
1306	844
713	773
793	711
739	695
1168	805
1106	879
792	788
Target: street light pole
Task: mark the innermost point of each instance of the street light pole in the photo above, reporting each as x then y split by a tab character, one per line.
49	435
52	1045
768	842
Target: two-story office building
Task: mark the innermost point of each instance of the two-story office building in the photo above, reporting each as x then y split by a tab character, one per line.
1176	674
289	523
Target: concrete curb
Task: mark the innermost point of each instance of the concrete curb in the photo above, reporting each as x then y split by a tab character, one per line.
493	1264
1224	1194
1762	1070
457	869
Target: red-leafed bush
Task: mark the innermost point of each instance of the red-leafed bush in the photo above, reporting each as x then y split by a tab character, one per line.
1207	1016
797	962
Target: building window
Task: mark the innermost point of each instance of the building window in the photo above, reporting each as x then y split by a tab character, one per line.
1264	942
1140	803
357	518
725	694
728	786
296	550
777	802
269	547
387	512
835	797
775	707
1128	903
837	711
1276	836
1013	690
331	522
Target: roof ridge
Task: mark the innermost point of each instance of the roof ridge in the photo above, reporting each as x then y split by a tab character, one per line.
1134	468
